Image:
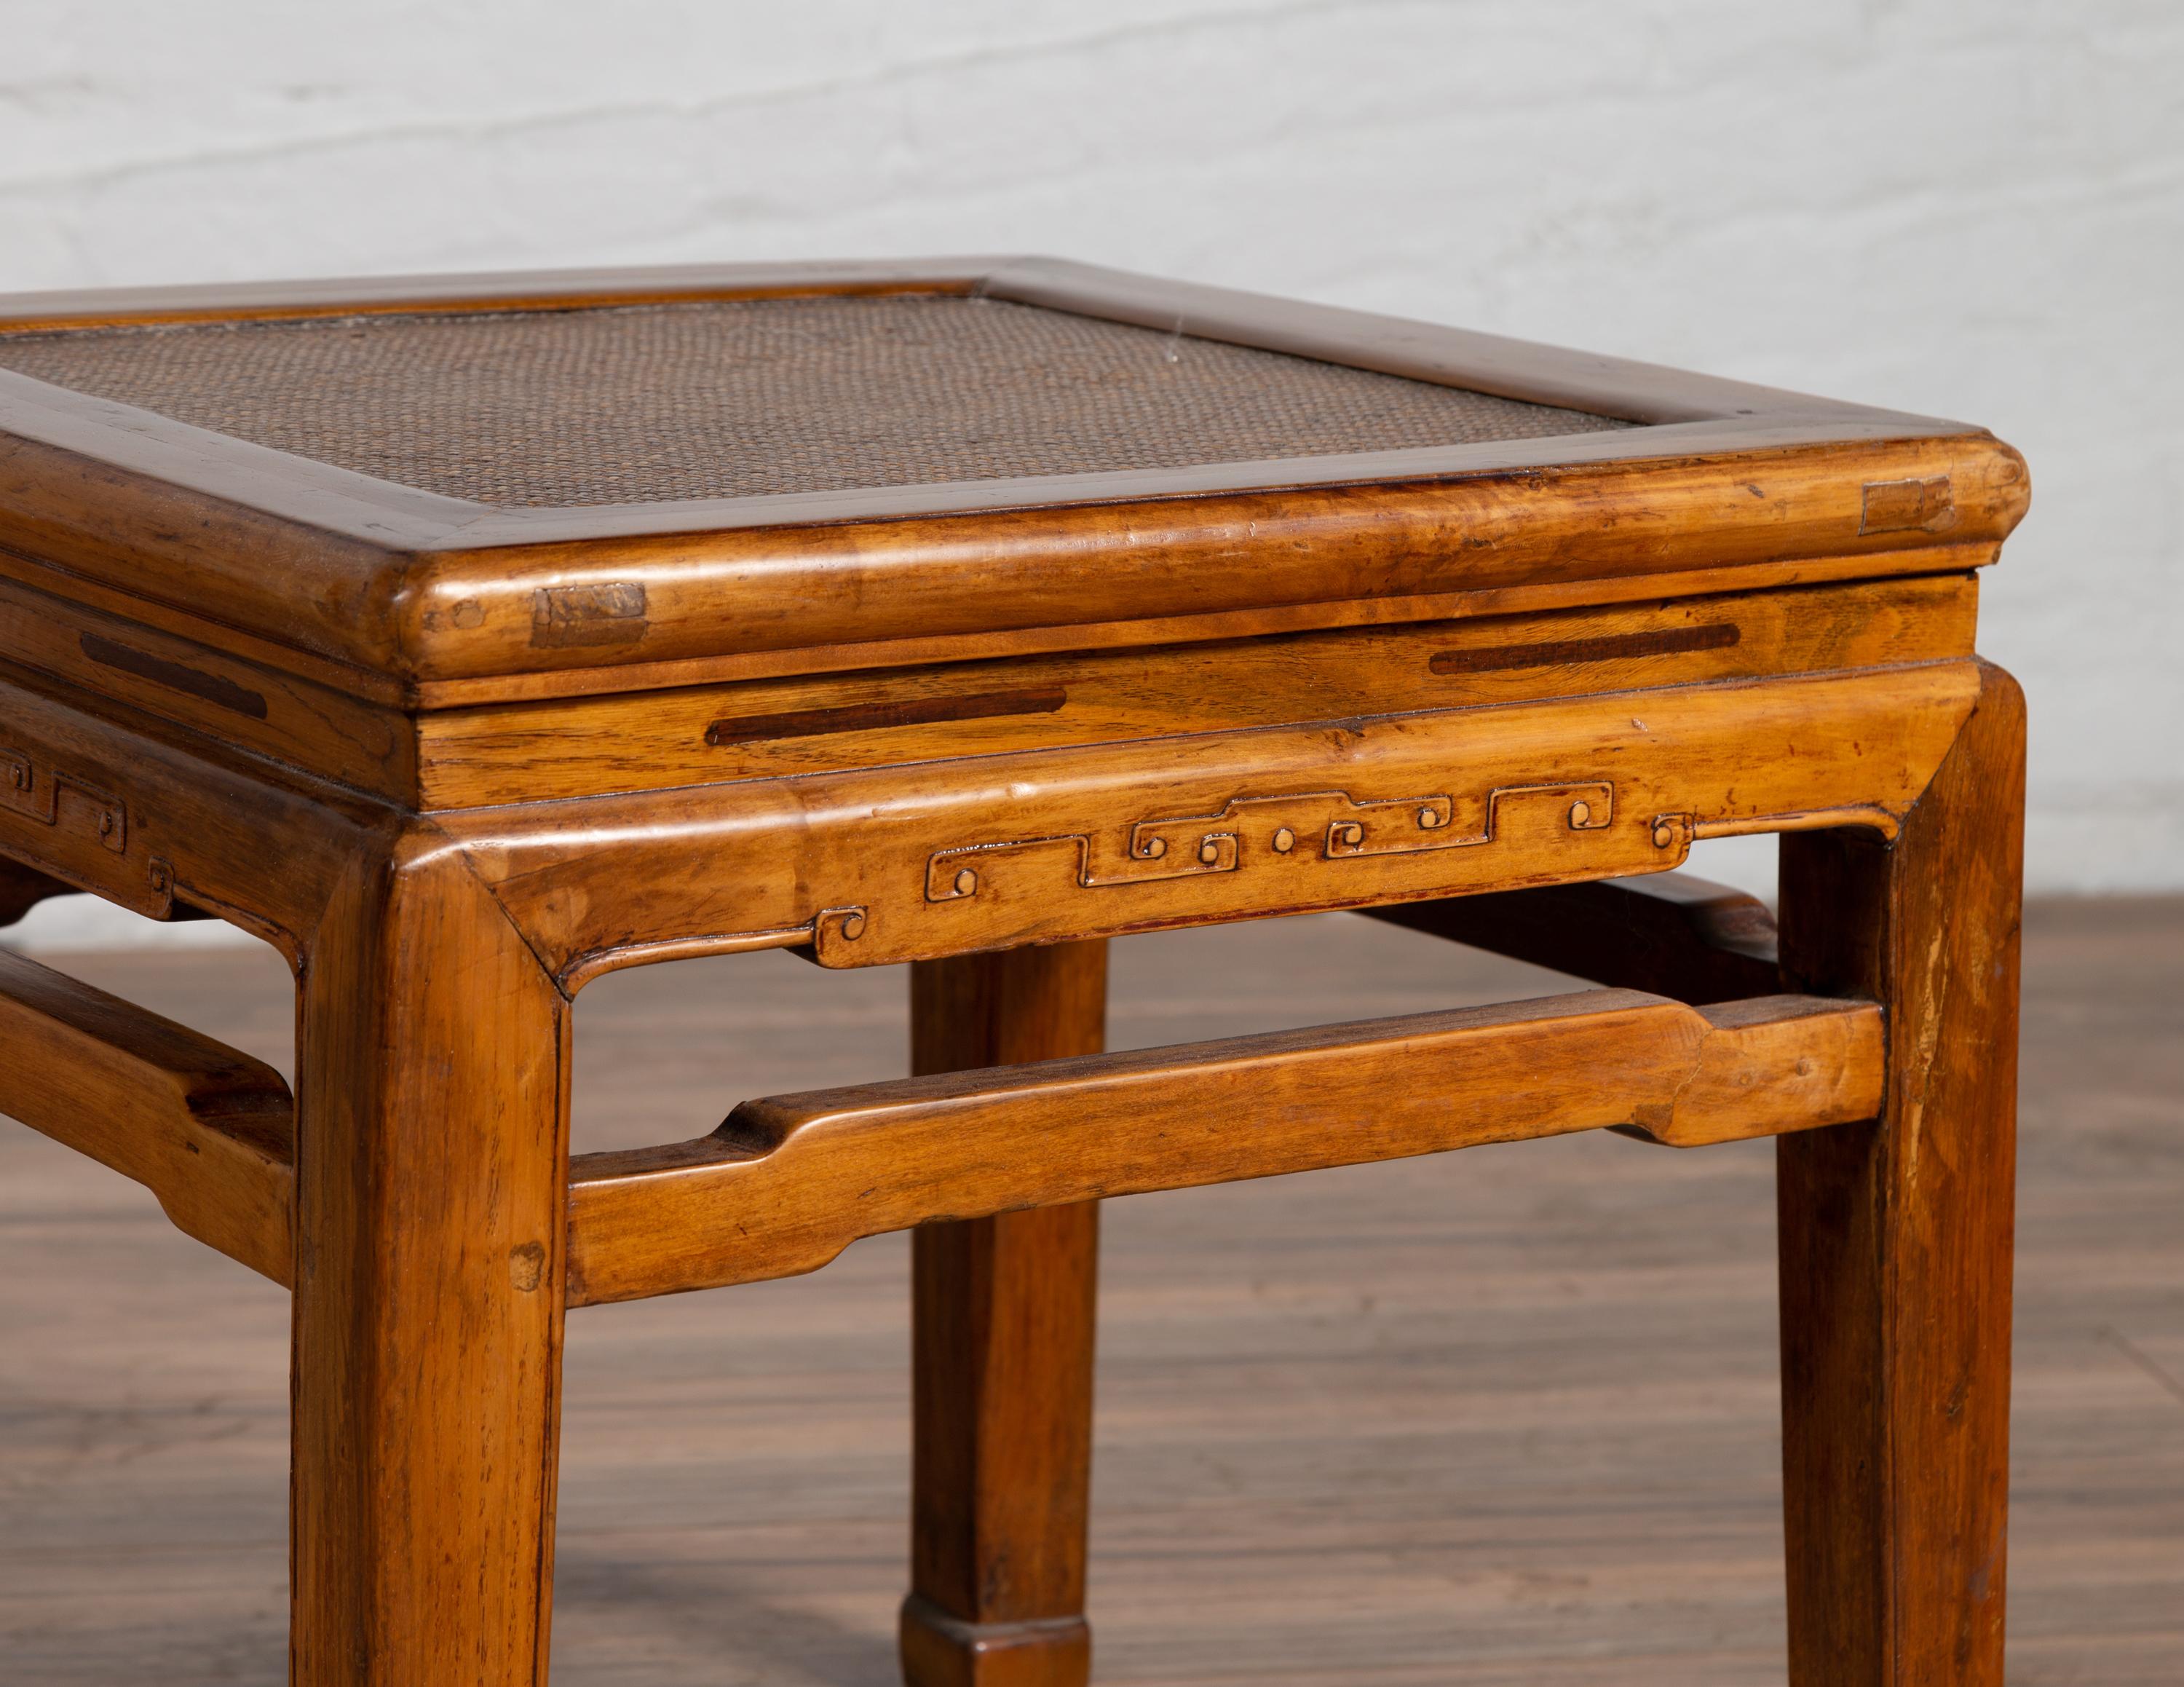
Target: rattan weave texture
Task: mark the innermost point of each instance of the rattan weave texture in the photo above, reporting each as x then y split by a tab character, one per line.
650	404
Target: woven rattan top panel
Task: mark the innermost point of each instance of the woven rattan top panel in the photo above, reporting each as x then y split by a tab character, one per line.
650	404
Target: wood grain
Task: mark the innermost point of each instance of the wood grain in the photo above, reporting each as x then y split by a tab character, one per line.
762	729
923	724
787	1182
1504	1418
431	1155
1896	1237
105	800
261	553
1003	1316
913	650
1057	553
207	1130
1673	934
1060	844
323	729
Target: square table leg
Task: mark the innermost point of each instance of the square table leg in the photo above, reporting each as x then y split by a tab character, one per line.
1896	1236
1004	1322
432	1160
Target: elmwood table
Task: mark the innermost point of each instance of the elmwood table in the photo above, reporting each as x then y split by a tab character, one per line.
468	638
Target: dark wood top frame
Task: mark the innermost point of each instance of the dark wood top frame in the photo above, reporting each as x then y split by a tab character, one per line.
414	600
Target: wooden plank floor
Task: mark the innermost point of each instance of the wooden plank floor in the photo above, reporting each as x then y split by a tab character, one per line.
1506	1416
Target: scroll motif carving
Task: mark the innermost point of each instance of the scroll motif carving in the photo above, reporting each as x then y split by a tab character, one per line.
78	833
1278	831
65	803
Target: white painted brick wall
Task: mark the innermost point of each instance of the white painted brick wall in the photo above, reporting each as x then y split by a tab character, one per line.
1971	208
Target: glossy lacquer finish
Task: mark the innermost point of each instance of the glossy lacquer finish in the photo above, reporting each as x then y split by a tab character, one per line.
1492	693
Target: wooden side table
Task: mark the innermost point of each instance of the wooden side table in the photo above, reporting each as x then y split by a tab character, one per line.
466	639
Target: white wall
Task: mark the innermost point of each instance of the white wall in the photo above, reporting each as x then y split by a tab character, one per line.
1970	207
